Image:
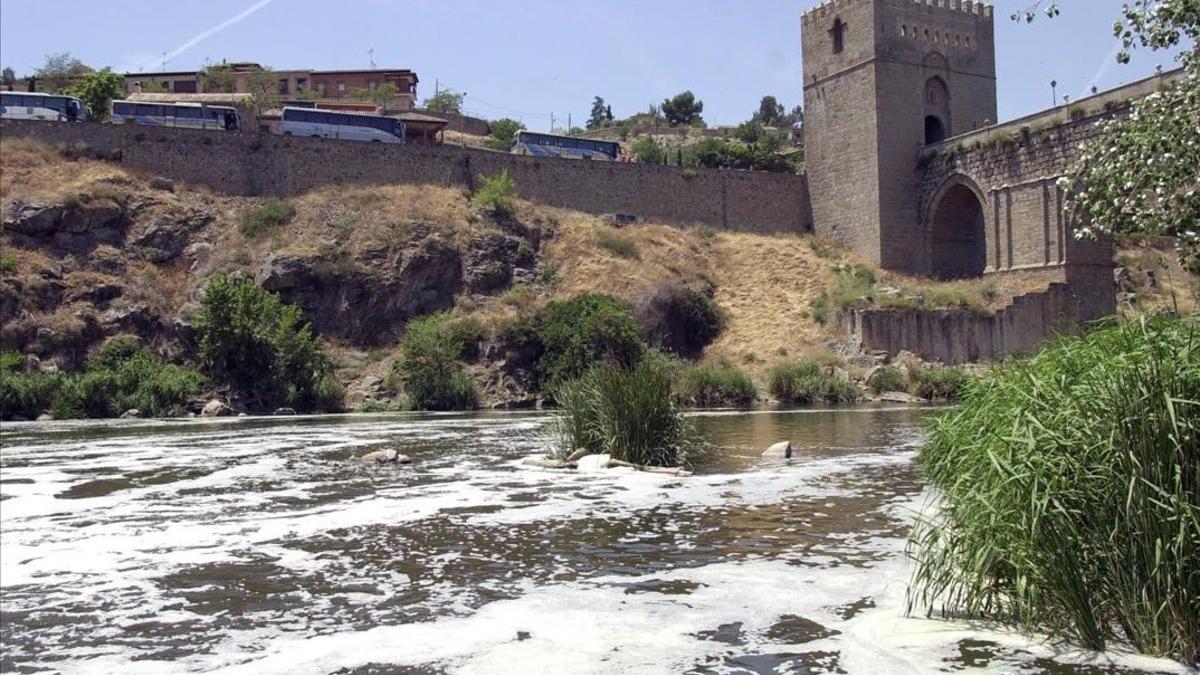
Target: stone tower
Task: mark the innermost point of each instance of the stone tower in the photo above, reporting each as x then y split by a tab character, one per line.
883	79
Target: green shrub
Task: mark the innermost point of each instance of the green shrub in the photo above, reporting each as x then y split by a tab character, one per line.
629	413
251	339
1070	492
8	263
647	151
715	386
805	382
431	368
497	192
678	319
266	217
938	382
619	246
887	378
853	284
28	394
583	331
119	376
819	308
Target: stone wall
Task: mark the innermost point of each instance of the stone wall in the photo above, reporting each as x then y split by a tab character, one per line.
963	336
254	164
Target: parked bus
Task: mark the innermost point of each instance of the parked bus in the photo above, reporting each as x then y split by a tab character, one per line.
553	145
190	115
344	125
20	105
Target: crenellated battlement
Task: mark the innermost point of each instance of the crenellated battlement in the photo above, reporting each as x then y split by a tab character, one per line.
827	10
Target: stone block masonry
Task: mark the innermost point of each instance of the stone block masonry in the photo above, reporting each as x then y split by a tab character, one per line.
279	166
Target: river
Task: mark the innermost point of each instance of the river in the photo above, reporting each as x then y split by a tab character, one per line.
261	545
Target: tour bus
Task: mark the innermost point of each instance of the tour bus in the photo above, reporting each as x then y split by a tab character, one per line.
553	145
344	125
20	105
191	115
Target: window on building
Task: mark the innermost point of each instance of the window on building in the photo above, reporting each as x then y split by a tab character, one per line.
341	87
283	86
321	88
903	31
839	36
301	83
372	84
926	33
968	41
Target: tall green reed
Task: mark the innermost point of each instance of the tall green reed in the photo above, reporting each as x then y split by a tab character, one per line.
1069	493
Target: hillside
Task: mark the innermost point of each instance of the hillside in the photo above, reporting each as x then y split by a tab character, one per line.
91	250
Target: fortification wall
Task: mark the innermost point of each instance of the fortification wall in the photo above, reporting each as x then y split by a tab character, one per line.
962	336
255	164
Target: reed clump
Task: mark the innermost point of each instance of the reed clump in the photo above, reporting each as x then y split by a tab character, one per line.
629	413
1070	493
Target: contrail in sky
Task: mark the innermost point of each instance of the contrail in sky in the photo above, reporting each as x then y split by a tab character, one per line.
203	35
1105	67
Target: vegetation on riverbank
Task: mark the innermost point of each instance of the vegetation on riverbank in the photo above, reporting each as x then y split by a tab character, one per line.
431	366
1070	492
120	376
806	382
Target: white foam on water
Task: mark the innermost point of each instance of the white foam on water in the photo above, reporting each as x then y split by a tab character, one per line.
255	492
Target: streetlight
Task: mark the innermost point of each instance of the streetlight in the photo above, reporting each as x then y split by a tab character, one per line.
1053	93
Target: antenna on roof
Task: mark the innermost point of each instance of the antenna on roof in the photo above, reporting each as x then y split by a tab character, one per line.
371	57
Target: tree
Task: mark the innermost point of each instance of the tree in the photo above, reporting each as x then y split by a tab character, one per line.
647	151
8	77
682	109
770	112
1139	175
383	94
608	113
501	133
97	91
599	114
263	87
218	78
59	70
252	340
445	101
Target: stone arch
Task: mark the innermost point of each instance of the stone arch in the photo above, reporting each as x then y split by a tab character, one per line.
936	98
956	229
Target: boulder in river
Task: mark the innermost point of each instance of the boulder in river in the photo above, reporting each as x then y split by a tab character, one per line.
781	450
387	456
285	411
132	413
215	408
594	462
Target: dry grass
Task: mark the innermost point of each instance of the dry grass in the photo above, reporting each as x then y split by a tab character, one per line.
765	284
1174	289
34	172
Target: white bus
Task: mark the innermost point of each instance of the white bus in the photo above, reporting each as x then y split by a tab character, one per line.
343	125
190	115
21	105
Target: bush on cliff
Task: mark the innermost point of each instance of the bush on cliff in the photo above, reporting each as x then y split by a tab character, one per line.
1070	492
497	192
584	331
260	345
431	367
677	318
805	382
266	217
711	386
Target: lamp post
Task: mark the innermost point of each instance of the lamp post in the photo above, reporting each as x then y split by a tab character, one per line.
1053	92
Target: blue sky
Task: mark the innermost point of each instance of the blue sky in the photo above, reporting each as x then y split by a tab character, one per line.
540	57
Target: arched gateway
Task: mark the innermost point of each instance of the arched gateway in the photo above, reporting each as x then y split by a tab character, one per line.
957	232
